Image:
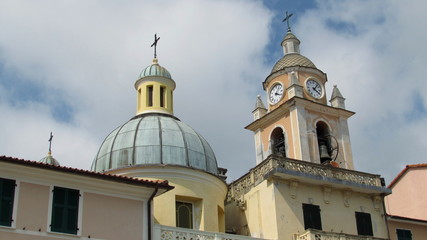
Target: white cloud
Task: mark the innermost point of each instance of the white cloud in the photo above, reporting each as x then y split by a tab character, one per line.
89	53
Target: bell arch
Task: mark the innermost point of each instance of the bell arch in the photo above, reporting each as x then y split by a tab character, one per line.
278	144
323	133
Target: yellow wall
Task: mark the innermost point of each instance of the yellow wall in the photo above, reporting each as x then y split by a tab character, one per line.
281	213
418	231
142	104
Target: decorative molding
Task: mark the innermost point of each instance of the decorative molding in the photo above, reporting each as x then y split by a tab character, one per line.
327	194
377	202
347	196
293	185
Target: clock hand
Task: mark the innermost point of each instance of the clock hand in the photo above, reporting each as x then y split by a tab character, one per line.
316	90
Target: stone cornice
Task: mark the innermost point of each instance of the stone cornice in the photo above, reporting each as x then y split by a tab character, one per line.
296	69
278	113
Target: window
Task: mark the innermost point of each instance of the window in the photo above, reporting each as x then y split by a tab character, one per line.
278	142
150	96
65	208
162	96
312	216
403	234
7	194
364	224
184	214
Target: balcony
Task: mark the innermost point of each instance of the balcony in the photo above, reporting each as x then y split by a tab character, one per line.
308	172
161	232
313	234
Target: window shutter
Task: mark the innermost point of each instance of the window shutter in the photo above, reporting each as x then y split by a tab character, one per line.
7	194
65	210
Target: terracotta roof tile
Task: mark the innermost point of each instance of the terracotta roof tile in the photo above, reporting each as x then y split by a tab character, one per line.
397	178
106	176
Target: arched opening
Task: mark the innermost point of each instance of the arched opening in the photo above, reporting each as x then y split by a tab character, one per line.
324	142
278	142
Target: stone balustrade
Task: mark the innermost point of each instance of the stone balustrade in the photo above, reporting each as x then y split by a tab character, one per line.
313	234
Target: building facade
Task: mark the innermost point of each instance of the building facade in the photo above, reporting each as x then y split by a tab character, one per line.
406	215
44	201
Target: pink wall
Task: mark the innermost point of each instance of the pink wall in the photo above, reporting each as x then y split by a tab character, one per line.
409	195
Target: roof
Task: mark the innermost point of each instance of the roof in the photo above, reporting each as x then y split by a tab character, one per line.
291	60
152	139
403	172
155	70
104	176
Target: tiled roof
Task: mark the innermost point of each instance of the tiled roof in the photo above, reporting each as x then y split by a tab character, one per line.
105	176
396	179
292	60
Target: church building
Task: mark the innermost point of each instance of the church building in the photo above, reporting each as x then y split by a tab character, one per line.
155	177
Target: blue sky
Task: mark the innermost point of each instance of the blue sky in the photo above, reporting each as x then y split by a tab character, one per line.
69	67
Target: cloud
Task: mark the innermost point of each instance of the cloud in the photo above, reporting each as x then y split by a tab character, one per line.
69	67
82	58
373	51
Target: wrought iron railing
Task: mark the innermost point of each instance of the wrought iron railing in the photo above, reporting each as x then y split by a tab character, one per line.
161	232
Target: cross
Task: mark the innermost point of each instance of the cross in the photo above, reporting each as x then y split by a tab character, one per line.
50	142
287	20
156	39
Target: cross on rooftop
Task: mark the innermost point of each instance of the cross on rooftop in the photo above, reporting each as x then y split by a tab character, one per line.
156	39
287	20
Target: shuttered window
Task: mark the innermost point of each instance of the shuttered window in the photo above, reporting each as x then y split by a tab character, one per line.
65	209
312	216
7	194
364	224
403	234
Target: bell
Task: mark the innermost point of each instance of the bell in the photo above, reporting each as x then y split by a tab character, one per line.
324	155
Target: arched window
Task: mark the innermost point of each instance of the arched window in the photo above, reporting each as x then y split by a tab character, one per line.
184	215
324	142
278	142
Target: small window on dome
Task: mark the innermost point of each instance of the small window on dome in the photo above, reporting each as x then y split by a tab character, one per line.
162	96
150	96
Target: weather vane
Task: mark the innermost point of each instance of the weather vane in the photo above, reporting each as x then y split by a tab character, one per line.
50	142
156	39
287	20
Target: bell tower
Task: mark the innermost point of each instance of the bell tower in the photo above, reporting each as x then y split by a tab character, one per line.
298	122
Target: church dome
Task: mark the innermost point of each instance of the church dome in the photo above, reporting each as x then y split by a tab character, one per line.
292	60
155	139
49	160
155	70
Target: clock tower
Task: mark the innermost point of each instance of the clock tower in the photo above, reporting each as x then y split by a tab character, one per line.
298	122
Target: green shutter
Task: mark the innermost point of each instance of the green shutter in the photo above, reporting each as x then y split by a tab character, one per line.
403	234
65	209
7	194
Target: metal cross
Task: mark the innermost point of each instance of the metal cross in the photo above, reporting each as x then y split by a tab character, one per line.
156	39
50	142
287	20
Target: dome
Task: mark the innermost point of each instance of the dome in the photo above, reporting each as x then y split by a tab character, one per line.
155	70
292	60
155	139
49	160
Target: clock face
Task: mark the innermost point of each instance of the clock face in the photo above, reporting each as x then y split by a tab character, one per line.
276	93
314	88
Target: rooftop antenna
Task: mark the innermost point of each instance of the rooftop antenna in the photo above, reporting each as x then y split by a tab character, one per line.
287	17
50	143
156	39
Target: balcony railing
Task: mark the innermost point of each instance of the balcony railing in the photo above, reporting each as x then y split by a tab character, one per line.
313	234
161	232
238	188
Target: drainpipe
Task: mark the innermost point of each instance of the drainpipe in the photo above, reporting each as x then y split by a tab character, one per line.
150	200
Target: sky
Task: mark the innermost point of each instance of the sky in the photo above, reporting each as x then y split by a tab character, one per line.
69	67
